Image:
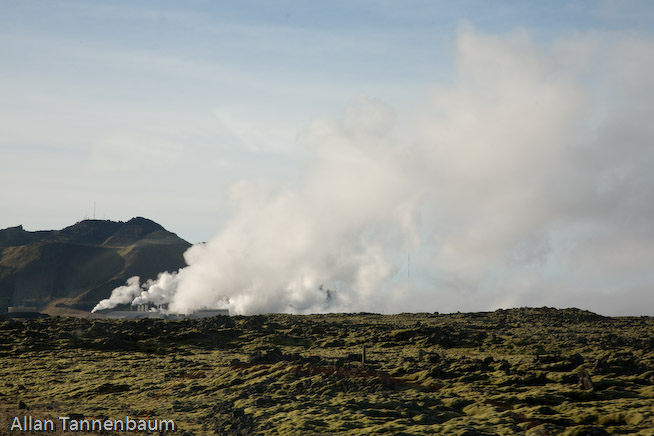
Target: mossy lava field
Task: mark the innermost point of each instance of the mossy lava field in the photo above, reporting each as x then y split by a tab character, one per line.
510	372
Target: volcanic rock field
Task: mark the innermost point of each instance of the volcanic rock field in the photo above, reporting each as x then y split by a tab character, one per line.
537	372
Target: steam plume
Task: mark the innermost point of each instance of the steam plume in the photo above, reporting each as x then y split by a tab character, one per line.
121	295
520	183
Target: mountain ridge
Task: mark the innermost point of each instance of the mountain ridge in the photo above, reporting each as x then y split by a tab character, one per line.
67	271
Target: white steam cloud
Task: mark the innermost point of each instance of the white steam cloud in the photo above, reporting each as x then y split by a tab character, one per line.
526	181
121	295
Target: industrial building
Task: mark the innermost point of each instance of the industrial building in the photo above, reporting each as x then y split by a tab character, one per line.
159	312
22	309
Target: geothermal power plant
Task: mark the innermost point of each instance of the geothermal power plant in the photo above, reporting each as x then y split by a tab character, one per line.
151	311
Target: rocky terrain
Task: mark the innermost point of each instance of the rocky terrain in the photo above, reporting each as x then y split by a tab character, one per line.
526	371
68	271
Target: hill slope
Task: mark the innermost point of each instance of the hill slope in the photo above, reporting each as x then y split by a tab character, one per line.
68	270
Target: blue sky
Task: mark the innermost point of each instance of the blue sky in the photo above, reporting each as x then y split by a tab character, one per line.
166	109
204	76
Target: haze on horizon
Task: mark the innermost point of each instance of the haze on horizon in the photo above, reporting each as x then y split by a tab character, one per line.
507	149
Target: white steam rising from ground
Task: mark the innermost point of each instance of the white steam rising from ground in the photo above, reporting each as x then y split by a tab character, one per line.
121	295
526	181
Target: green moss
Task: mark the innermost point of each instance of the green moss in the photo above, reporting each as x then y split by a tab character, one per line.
290	375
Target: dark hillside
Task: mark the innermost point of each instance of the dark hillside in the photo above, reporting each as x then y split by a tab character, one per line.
73	268
13	236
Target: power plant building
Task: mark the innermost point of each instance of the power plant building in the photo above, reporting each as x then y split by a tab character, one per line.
144	311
